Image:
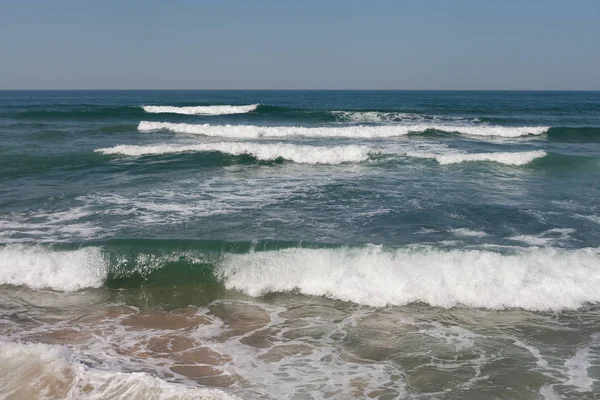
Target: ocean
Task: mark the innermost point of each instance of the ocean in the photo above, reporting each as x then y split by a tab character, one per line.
299	245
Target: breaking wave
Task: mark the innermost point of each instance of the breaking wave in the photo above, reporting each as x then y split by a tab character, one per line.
201	110
508	158
539	279
261	151
396	117
253	131
531	278
38	267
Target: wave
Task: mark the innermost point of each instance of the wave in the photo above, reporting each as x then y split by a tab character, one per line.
261	151
316	154
540	279
508	158
464	232
253	131
30	370
390	116
532	278
202	110
39	268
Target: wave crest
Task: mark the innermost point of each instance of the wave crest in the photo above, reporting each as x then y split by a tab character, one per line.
390	116
253	131
538	279
201	110
262	151
508	158
38	267
533	278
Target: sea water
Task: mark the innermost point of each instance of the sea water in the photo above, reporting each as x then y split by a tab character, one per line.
299	244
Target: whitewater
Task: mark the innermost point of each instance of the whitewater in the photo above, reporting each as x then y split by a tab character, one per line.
508	158
306	154
201	110
273	151
251	131
536	279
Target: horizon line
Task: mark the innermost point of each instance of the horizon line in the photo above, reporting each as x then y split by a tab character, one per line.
306	90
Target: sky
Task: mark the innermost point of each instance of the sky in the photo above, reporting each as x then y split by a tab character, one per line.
300	44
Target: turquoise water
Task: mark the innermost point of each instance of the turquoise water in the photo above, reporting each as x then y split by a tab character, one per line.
318	244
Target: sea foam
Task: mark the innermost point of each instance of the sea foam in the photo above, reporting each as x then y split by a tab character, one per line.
254	131
43	371
39	267
508	158
535	279
395	117
262	151
201	110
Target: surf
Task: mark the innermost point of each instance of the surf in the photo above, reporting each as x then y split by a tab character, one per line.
386	131
302	154
36	370
201	110
540	279
507	158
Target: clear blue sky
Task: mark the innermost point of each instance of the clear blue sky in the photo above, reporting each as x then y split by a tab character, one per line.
300	44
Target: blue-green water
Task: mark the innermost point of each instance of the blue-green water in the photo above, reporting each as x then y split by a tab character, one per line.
318	244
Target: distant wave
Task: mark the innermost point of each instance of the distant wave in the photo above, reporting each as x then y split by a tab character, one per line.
316	154
464	232
253	131
532	278
508	158
201	110
391	116
261	151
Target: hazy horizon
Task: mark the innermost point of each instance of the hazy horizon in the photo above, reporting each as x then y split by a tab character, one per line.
296	90
266	45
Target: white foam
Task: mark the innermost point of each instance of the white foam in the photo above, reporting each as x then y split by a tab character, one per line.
455	335
57	226
536	279
262	151
374	116
467	232
202	110
546	238
253	131
102	214
534	240
508	158
38	267
49	372
577	370
395	117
